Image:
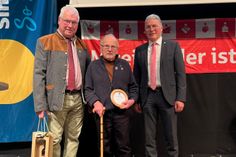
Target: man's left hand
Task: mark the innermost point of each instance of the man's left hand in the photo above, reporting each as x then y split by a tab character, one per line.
179	106
127	104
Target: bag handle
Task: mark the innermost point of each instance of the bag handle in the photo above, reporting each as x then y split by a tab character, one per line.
43	125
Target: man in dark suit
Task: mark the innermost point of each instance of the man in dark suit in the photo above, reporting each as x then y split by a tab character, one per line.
160	73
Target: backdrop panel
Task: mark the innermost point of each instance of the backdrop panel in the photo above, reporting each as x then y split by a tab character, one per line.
21	23
208	45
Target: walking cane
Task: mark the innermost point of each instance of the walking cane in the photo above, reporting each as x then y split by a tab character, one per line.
101	136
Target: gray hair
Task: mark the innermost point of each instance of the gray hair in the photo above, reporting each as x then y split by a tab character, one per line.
109	34
69	8
153	16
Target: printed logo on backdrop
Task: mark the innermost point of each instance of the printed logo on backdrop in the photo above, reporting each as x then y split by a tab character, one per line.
169	29
225	27
109	27
205	28
185	29
208	45
92	29
128	30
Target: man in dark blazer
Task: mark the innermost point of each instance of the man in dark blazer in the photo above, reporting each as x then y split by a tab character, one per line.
102	77
165	96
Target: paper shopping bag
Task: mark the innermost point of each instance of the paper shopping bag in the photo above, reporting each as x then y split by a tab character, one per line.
42	142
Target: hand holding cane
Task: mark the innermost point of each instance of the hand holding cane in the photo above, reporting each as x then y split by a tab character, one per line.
100	109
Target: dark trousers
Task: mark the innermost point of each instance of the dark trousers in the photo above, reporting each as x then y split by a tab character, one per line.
116	124
155	107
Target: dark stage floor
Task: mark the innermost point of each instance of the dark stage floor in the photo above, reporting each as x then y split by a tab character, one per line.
21	149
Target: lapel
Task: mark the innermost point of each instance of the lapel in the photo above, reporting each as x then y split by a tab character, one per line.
145	56
163	52
80	58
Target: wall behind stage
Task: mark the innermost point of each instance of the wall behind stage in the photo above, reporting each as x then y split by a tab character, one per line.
207	126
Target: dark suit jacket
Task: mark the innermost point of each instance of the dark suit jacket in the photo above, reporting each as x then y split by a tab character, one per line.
172	72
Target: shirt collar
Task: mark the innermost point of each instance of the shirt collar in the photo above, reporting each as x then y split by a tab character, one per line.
73	39
158	41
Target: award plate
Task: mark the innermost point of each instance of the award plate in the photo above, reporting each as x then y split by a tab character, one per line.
118	96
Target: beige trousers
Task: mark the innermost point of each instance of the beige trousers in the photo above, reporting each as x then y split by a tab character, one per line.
68	121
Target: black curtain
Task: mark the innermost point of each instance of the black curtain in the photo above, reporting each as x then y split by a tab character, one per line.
208	124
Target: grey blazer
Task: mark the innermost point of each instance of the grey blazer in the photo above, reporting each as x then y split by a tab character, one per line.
172	72
50	68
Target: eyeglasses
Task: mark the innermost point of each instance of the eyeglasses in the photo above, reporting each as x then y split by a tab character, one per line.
149	27
67	22
107	47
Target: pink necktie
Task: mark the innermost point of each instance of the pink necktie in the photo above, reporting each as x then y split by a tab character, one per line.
71	76
153	67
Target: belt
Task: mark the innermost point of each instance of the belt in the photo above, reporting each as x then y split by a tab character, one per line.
72	92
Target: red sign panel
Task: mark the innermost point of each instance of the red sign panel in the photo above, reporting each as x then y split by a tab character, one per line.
208	45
